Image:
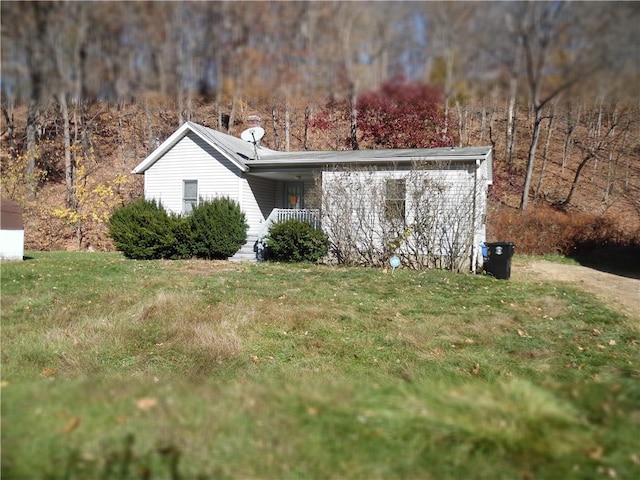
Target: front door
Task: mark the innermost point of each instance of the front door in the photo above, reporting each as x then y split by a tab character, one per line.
293	195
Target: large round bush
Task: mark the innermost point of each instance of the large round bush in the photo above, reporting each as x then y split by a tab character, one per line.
144	230
218	228
296	241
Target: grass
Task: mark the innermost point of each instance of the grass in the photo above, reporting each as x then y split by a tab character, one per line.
113	368
552	257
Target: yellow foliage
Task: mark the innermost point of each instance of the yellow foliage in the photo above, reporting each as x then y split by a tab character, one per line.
68	215
16	182
94	200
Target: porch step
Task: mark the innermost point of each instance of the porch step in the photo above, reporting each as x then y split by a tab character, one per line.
246	253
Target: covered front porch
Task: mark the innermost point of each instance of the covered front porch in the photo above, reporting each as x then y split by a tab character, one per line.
249	252
307	215
282	194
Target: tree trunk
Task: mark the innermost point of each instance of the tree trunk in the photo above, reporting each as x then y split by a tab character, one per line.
462	121
307	116
219	87
189	104
353	132
149	124
483	122
287	128
512	128
512	113
274	119
180	107
531	158
576	177
119	108
232	114
545	155
10	131
596	134
32	125
76	136
69	173
612	176
445	129
83	97
572	123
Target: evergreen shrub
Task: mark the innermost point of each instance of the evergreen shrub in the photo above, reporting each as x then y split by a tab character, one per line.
218	228
143	230
296	241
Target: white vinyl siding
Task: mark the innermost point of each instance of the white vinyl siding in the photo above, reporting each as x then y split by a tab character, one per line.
191	158
446	196
258	201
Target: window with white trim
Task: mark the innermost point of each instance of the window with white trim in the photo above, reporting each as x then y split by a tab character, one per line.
189	196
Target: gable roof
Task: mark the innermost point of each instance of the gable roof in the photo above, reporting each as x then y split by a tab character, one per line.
234	149
242	154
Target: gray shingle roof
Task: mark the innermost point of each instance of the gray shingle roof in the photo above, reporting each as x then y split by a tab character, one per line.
242	153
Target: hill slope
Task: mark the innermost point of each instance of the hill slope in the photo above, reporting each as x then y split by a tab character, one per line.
120	136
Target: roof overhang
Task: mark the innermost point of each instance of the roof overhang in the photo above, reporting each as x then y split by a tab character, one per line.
293	166
178	135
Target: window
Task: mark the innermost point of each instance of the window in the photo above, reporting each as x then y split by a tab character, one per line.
293	195
189	196
394	200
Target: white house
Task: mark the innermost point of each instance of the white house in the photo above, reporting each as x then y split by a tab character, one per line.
196	162
11	230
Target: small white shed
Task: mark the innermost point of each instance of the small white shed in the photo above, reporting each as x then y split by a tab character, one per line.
11	230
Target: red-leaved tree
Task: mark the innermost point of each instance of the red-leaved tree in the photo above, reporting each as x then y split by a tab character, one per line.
403	115
400	114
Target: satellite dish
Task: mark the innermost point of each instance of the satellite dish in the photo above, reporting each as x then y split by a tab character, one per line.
252	135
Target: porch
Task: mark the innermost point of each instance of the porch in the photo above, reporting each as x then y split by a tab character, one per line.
277	215
307	215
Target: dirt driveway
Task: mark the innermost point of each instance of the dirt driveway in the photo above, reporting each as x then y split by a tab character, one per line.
620	293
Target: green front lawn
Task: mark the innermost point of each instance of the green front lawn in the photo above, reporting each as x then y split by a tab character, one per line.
114	368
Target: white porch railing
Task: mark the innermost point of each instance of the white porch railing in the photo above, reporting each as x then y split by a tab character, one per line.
307	215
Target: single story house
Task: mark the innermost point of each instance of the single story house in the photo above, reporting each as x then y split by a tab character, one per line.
11	230
428	200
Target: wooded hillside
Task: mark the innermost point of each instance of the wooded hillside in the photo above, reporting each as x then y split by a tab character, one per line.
89	89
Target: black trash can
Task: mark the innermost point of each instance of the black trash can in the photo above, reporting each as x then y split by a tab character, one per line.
498	261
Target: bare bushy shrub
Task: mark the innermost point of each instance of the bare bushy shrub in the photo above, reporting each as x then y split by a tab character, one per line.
443	216
428	216
543	230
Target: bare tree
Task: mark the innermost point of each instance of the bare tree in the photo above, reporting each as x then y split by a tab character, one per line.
37	56
606	134
553	41
572	118
454	54
69	38
545	154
